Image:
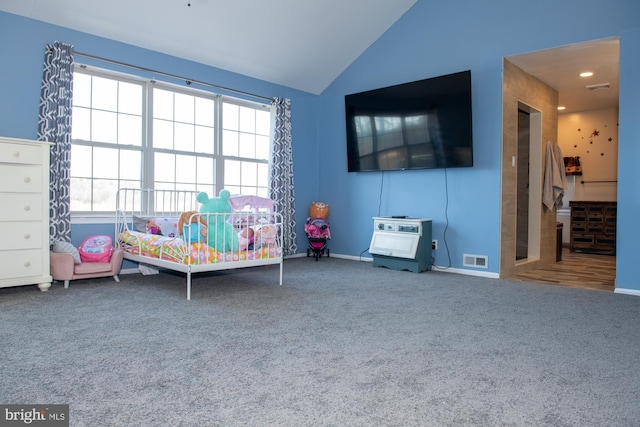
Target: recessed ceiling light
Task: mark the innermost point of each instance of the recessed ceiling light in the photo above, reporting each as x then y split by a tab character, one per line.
561	107
586	74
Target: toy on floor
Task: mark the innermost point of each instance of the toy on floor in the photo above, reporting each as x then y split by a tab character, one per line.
318	230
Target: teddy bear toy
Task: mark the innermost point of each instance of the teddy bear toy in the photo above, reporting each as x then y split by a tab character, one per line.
220	234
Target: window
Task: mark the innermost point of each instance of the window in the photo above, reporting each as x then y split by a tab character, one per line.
129	132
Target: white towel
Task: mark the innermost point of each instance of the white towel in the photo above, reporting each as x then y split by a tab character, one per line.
555	180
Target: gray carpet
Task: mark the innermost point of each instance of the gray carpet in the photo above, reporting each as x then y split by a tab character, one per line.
340	344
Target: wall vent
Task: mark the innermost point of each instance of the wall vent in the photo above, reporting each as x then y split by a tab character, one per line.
479	261
598	86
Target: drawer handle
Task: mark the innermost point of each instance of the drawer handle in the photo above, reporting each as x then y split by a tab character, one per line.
27	236
16	154
27	208
27	179
27	264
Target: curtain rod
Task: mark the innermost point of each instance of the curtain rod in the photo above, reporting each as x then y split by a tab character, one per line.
587	182
186	80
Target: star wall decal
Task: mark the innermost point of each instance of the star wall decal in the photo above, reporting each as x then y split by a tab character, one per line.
595	132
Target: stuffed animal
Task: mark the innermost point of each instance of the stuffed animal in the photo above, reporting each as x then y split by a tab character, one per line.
319	210
192	229
220	234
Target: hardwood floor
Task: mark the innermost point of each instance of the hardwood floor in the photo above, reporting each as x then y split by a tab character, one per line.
576	270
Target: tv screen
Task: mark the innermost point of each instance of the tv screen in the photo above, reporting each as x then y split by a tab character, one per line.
418	125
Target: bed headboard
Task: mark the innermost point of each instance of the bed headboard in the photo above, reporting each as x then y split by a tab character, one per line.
152	202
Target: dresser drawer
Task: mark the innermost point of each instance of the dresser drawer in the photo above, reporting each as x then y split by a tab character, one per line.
22	235
23	263
21	154
17	207
21	179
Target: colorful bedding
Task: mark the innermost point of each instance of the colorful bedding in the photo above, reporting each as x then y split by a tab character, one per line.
177	250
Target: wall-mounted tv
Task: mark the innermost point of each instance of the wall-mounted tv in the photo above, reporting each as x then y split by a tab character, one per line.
418	125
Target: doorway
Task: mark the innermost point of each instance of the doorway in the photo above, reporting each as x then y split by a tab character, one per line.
530	74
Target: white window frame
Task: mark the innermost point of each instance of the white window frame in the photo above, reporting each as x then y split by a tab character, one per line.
148	151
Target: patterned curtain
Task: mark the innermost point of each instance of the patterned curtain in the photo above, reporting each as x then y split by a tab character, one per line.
54	125
281	182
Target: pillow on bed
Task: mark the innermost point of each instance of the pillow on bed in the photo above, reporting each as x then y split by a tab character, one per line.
140	223
66	248
162	226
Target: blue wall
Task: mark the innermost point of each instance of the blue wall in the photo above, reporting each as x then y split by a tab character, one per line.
22	53
436	38
431	39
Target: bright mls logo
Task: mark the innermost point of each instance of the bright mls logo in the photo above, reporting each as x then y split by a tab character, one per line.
34	415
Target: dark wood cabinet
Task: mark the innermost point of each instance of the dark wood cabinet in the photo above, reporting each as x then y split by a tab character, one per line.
593	227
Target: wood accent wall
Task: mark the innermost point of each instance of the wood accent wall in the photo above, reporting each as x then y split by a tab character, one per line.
520	87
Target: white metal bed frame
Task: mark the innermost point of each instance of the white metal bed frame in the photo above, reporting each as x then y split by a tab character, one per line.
171	203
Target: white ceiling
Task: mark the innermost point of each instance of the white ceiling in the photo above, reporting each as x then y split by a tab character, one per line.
303	44
560	68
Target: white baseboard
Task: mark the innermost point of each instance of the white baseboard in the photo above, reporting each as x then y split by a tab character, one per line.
434	268
634	292
486	274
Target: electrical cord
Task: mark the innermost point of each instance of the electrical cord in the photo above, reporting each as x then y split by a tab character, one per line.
379	204
446	224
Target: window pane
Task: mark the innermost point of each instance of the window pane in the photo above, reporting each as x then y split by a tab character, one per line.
263	175
185	169
129	130
104	94
263	144
129	98
104	126
184	107
164	167
231	172
81	161
162	134
229	143
204	141
204	112
205	171
131	165
104	195
247	145
247	120
105	163
263	122
230	116
80	194
183	137
81	123
81	90
249	174
162	104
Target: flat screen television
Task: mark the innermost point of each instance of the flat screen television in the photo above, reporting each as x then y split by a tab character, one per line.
418	125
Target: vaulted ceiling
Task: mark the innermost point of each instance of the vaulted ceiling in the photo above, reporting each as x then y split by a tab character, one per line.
296	43
300	44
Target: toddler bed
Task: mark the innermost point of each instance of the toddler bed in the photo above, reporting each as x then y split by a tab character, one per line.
164	229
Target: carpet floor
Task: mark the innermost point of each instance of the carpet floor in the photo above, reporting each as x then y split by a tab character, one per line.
341	343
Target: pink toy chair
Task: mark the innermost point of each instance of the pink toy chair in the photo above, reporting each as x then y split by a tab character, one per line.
64	269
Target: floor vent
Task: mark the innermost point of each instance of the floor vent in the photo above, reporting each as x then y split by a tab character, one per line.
480	261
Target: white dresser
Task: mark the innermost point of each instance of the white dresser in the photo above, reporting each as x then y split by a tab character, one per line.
24	213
